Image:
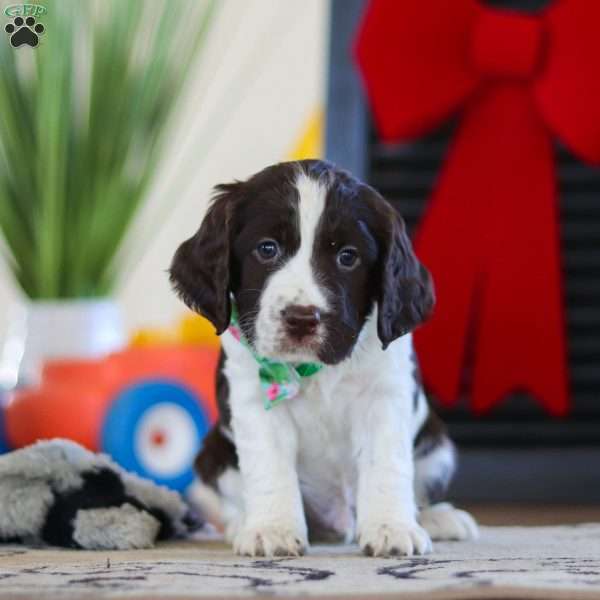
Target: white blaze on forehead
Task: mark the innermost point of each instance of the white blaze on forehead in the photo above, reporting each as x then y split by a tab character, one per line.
295	282
311	204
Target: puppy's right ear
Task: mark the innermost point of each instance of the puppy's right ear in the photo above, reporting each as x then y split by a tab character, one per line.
200	268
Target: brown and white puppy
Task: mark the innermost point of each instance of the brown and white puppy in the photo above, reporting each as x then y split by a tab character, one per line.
321	269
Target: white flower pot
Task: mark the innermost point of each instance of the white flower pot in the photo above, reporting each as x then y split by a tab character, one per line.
57	329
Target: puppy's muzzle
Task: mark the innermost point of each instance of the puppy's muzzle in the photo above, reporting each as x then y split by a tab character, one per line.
301	321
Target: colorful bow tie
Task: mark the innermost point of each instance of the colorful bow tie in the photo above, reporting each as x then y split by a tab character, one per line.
279	380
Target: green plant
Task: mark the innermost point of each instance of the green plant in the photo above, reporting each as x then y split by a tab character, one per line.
83	118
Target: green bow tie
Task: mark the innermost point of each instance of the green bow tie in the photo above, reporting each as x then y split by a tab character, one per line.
279	380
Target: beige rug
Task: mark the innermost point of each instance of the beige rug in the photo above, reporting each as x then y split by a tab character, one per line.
507	562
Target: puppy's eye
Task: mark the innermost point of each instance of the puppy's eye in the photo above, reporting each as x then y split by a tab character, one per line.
267	250
347	258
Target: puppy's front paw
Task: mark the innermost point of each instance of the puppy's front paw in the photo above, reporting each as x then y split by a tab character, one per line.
269	540
444	522
401	539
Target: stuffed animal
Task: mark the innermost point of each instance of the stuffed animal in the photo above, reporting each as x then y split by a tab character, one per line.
58	493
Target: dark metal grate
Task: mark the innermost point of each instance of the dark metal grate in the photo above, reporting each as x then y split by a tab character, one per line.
406	174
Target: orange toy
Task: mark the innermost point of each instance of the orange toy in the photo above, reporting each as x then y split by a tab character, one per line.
138	405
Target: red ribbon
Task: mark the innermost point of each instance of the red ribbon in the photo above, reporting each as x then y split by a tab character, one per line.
490	235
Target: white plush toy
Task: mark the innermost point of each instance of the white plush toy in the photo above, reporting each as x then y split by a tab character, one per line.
58	493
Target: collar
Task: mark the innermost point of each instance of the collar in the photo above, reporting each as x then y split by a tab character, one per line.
279	380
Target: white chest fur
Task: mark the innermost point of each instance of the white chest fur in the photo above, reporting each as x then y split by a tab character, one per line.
327	429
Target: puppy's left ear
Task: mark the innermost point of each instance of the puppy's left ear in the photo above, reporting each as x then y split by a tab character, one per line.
200	268
406	296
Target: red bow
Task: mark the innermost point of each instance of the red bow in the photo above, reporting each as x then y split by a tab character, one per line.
490	235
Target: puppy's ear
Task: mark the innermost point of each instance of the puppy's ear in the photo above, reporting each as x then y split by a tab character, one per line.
200	268
406	296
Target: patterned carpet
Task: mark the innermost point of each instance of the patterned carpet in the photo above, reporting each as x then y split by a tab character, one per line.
507	562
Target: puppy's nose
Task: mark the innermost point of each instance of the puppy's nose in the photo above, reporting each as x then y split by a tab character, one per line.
301	321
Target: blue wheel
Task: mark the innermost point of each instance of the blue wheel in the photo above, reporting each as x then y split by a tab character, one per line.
155	429
3	437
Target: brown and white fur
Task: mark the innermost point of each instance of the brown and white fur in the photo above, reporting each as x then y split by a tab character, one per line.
321	269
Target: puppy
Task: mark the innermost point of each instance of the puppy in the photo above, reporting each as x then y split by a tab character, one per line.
321	276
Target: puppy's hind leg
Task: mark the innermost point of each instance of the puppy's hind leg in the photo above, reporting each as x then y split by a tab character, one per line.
435	463
218	490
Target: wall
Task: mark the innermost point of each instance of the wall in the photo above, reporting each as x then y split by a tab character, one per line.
247	101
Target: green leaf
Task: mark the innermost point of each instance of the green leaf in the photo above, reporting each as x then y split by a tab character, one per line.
83	119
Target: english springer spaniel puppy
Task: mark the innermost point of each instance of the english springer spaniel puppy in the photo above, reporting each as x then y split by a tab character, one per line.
324	430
